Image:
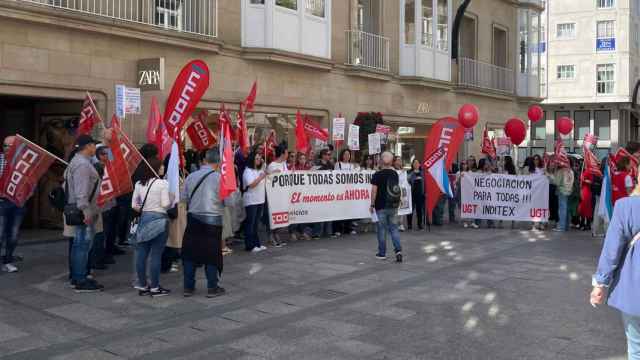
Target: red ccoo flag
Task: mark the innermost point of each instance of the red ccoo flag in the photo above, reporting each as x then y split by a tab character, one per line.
314	130
270	146
487	145
131	155
188	89
154	121
251	98
116	179
200	135
243	133
561	154
89	116
302	141
26	163
228	182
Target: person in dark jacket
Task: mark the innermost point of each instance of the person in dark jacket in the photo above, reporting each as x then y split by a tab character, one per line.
416	180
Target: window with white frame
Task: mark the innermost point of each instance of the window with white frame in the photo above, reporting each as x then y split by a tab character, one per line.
427	24
289	4
566	72
169	14
566	31
606	29
605	4
315	7
443	25
605	81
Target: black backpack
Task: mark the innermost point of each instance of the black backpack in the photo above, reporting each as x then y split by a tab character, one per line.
393	192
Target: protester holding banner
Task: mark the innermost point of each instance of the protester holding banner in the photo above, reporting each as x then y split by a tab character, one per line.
385	200
344	163
254	198
416	181
277	166
485	168
82	182
302	163
11	217
368	163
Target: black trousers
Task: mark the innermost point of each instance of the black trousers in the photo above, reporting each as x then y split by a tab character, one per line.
110	226
418	212
124	217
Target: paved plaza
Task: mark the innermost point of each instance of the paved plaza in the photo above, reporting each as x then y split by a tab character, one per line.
460	294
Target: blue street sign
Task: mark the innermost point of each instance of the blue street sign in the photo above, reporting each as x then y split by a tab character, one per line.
608	44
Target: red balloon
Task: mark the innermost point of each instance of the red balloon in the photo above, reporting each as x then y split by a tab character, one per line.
468	115
535	113
565	125
516	130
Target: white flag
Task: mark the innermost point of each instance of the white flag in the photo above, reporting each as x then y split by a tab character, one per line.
173	173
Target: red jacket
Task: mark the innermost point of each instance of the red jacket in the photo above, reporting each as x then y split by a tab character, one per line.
618	186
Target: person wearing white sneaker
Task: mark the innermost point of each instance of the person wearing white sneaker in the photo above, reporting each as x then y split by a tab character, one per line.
253	180
10	268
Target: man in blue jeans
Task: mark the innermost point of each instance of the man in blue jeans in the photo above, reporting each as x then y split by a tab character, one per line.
10	218
385	200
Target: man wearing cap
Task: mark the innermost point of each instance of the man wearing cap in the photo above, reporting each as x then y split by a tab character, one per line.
10	218
83	183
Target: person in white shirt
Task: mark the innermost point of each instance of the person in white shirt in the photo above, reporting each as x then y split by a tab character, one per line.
344	163
253	180
151	199
278	165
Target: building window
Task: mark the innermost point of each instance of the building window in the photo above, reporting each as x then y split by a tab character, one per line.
602	124
427	24
499	47
566	72
289	4
605	4
606	29
256	2
169	14
582	123
315	7
605	81
443	25
409	22
566	31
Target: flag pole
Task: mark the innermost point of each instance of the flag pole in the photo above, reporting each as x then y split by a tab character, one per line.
41	148
136	150
95	107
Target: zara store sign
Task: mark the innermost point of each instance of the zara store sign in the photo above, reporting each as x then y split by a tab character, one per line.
151	74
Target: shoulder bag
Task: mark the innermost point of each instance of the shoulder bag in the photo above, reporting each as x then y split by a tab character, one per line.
198	186
72	215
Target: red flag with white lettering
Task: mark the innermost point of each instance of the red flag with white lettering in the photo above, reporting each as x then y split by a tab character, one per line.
561	154
200	135
591	163
228	182
188	89
131	155
488	147
314	130
116	179
243	133
89	116
26	163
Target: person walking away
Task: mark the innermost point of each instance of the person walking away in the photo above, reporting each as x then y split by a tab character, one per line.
277	166
344	163
202	237
416	181
82	182
324	164
621	181
11	217
617	279
151	199
563	179
253	198
385	200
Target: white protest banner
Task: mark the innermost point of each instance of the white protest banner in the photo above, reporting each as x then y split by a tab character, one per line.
374	144
304	197
338	129
504	146
505	197
132	101
354	137
120	101
405	201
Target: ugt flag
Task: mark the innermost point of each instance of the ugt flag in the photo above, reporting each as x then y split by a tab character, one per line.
26	163
436	166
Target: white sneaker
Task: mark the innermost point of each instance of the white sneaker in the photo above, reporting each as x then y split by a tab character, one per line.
401	227
465	225
175	268
353	232
10	268
256	250
475	226
263	248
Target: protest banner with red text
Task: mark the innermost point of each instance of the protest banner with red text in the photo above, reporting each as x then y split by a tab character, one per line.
26	163
304	197
188	89
505	197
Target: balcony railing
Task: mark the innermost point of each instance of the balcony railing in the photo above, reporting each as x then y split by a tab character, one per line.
481	75
367	50
190	16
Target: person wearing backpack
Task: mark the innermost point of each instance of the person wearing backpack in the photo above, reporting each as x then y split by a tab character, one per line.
385	200
201	244
617	278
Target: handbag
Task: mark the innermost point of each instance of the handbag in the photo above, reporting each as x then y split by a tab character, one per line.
133	228
72	215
